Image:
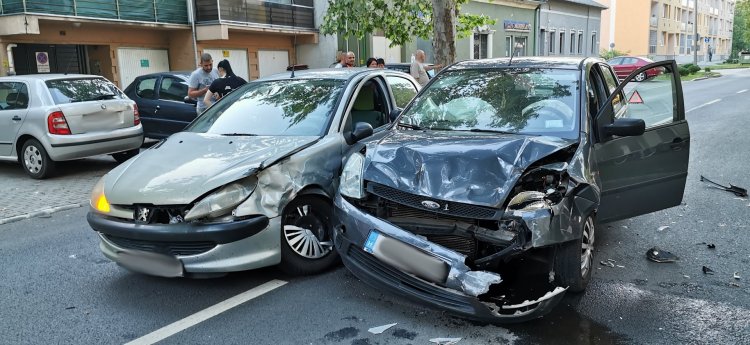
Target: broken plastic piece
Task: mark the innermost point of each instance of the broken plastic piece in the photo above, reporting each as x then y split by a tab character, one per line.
711	246
734	284
656	254
738	191
607	263
707	270
736	275
381	329
663	227
445	341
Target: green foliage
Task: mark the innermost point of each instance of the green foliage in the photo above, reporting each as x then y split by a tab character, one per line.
684	71
707	69
610	54
741	28
400	21
694	69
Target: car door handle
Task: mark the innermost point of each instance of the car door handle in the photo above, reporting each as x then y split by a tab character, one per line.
16	118
157	109
677	144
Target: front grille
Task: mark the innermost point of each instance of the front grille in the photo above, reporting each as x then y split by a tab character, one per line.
455	209
171	248
402	281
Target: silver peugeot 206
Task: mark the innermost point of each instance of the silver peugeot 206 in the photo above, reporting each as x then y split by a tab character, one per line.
250	182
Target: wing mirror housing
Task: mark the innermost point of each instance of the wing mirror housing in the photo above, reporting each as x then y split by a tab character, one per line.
395	114
361	130
625	127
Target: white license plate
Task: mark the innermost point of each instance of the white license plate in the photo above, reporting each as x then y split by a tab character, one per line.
150	263
406	257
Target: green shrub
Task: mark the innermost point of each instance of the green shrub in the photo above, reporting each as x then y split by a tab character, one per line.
684	71
687	65
694	69
707	69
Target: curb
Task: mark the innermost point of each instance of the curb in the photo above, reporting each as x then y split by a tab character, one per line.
41	213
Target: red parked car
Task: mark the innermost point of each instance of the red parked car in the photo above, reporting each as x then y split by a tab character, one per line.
624	65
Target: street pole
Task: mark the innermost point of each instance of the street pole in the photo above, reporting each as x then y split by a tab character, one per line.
695	36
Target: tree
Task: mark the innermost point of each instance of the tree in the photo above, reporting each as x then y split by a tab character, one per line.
741	29
402	20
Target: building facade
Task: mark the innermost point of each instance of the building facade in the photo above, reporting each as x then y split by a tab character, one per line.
121	39
665	29
569	28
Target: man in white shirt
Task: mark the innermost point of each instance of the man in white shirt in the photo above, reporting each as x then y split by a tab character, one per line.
418	70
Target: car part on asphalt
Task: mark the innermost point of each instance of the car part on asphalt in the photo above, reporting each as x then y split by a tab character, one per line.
445	341
707	270
736	275
738	191
381	329
607	263
659	255
711	246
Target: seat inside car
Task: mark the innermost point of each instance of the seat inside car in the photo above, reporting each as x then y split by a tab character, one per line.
364	108
17	100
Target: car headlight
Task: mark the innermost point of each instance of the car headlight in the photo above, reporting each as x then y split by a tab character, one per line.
220	202
98	200
351	177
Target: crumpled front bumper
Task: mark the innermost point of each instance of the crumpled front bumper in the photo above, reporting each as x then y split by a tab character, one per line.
455	290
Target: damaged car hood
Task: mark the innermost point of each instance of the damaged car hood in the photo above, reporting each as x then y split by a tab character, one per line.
464	167
188	165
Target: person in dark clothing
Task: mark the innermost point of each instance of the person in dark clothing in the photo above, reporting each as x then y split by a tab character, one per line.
227	82
381	63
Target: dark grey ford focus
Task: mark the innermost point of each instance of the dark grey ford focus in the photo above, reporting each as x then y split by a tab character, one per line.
484	197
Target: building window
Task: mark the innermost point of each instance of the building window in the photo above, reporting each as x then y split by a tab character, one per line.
552	42
580	43
572	43
562	43
652	42
520	45
508	45
593	43
541	43
480	45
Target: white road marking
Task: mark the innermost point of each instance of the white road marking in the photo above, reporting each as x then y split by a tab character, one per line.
205	314
741	91
704	104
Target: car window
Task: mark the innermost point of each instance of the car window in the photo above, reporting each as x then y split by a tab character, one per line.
13	95
146	87
630	61
526	101
370	105
611	83
173	89
274	107
74	90
652	99
615	61
403	90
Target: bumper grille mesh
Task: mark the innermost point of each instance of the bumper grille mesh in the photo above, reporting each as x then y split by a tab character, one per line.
455	209
171	248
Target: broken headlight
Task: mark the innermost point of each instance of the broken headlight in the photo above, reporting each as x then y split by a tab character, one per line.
351	184
540	188
223	200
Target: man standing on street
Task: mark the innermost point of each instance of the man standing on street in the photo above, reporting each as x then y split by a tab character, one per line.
710	53
200	80
347	61
418	70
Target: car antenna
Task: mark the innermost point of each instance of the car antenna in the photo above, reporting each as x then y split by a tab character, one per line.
295	55
511	57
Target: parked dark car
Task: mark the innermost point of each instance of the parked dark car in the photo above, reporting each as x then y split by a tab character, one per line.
624	65
163	103
483	198
406	68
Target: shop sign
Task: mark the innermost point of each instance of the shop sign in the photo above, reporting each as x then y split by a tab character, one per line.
514	25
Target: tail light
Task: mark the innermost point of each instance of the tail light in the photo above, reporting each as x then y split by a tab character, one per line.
136	115
56	124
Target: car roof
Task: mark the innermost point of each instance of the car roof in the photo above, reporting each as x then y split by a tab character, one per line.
182	73
325	73
51	76
525	62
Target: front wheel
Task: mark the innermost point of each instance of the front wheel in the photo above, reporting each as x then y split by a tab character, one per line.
307	236
640	76
575	259
35	160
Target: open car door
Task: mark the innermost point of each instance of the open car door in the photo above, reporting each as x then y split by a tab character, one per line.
642	144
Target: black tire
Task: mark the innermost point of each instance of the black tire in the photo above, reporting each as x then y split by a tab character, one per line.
571	268
121	157
640	77
35	160
306	225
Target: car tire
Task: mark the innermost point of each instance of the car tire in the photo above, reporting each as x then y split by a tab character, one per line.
35	160
307	236
574	260
640	77
121	157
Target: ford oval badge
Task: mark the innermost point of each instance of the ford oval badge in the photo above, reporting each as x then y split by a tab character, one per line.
430	204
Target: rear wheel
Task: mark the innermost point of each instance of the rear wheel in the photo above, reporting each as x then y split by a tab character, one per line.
35	160
121	157
575	259
640	76
306	236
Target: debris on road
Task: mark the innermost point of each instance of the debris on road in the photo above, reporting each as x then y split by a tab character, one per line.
620	266
445	341
69	308
711	246
381	329
734	284
736	275
663	227
707	270
607	263
656	254
738	191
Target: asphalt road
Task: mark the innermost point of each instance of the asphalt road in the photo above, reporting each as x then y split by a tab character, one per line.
58	289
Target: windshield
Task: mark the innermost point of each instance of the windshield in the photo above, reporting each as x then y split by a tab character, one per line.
280	107
526	101
65	91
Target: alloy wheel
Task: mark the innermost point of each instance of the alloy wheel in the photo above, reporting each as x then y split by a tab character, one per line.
32	159
587	247
640	76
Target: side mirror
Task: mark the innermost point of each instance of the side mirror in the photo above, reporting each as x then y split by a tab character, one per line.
361	130
189	100
394	114
625	127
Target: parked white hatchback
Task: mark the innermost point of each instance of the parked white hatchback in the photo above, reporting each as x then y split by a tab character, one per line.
47	118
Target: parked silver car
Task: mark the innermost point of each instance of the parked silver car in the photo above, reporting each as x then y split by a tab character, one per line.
47	118
250	182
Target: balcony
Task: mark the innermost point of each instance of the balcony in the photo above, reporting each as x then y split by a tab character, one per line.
149	11
278	13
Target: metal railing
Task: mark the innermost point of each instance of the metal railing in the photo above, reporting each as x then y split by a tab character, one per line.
288	13
153	11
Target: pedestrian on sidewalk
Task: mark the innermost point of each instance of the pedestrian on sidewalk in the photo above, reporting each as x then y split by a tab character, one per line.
200	80
418	70
710	53
227	83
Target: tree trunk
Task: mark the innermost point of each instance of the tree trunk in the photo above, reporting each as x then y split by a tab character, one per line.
444	31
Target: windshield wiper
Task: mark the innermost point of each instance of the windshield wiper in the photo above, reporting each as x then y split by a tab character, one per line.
409	125
101	97
240	135
482	130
